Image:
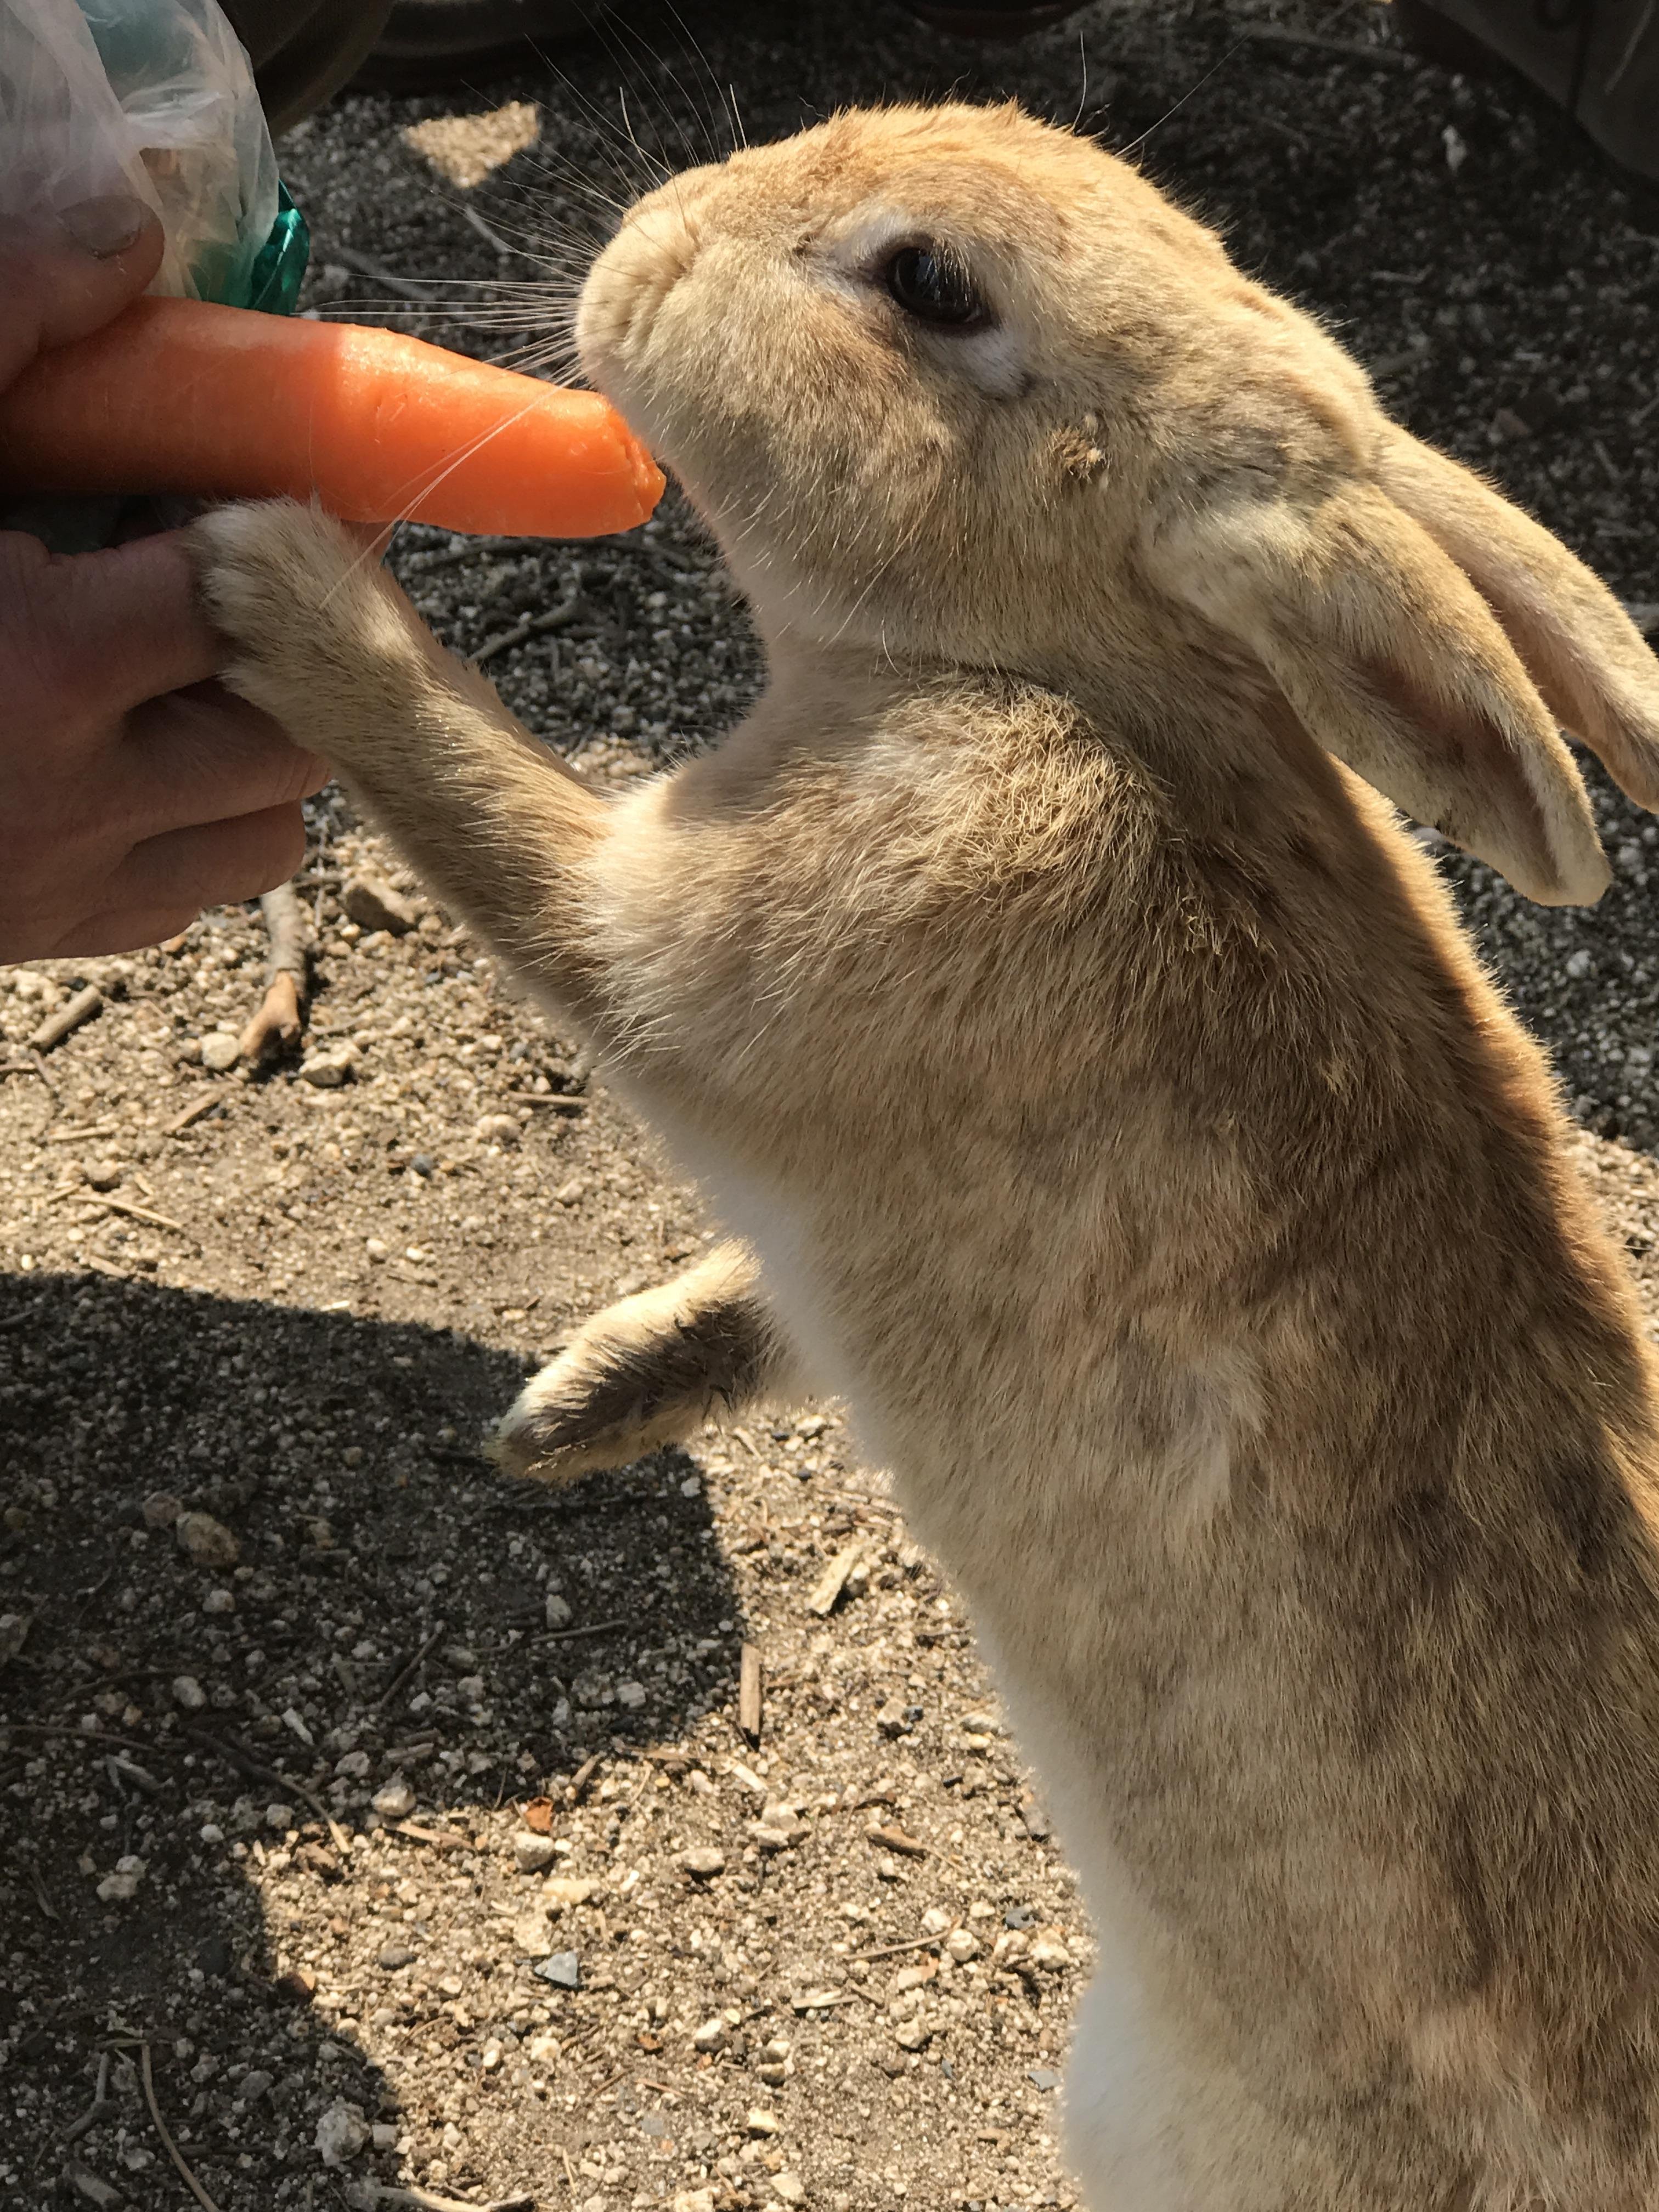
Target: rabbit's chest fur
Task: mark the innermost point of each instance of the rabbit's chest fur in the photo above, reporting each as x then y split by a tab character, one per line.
920	1010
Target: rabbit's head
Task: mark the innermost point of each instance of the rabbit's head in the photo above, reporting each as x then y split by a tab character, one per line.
962	387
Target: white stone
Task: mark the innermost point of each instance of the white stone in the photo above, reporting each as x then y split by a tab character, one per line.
118	1887
342	2133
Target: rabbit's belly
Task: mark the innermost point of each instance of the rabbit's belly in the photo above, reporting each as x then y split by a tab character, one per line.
1149	2127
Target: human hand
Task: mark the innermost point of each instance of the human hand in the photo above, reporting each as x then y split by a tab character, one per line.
134	790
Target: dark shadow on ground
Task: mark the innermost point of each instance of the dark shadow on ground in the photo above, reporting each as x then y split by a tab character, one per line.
388	1613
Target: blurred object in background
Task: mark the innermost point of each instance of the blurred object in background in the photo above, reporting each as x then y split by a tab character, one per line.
305	50
1597	59
431	42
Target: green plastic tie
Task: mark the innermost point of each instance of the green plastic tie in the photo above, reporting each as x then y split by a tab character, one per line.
279	269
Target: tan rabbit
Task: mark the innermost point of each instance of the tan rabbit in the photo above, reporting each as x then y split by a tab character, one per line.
1110	1108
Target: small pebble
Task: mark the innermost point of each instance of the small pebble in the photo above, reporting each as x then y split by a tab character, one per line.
253	2085
557	1610
711	2036
207	1541
162	1509
564	1970
342	2133
532	1934
118	1888
219	1600
531	1853
568	1888
373	903
393	1800
331	1066
220	1051
188	1692
704	1859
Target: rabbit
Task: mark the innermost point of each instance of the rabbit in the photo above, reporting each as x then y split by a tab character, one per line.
1102	1100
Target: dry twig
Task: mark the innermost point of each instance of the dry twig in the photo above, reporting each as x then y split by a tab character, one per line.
278	1019
533	625
831	1582
197	1110
141	1213
749	1692
403	1673
102	2103
569	1635
234	1754
168	2143
427	2200
56	1027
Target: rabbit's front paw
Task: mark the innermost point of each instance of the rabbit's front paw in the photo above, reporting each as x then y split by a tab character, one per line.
318	637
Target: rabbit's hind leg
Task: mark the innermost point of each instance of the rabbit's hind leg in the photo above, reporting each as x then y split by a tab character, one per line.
649	1371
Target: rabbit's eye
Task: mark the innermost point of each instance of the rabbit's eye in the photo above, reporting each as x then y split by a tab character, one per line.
932	287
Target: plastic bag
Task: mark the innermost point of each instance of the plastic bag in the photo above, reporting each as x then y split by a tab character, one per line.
151	97
156	98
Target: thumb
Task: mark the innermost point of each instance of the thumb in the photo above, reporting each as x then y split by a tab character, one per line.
64	275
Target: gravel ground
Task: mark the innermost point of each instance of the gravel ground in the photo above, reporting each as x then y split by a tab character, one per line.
394	1824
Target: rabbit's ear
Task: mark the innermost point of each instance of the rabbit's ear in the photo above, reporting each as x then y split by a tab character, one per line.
1581	650
1394	663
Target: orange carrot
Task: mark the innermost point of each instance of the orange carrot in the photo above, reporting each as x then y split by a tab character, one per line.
181	395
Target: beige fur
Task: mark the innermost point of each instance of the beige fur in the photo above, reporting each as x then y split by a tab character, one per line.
1112	1111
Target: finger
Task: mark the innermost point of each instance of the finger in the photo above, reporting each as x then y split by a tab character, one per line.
104	630
62	276
214	864
122	930
204	756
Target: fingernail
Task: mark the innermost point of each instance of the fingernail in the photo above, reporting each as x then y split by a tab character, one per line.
105	226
